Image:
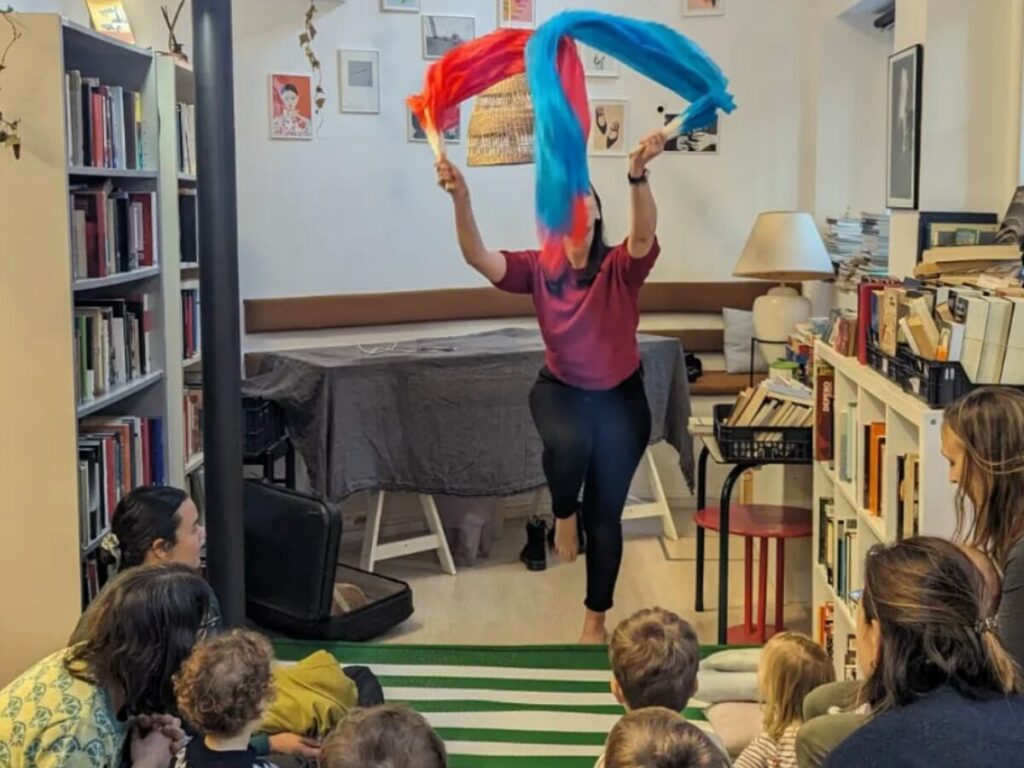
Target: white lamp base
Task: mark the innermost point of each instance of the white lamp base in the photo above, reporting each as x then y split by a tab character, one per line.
776	315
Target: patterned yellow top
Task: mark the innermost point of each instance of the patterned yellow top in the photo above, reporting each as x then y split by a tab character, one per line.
49	719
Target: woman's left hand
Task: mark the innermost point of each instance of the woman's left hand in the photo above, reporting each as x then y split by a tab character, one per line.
293	744
648	149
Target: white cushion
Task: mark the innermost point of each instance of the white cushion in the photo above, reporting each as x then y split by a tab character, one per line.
715	687
737	723
739	330
734	660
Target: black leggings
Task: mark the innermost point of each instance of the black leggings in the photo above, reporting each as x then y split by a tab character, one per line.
594	441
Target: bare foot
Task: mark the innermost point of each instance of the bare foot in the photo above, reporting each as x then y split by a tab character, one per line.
594	632
567	538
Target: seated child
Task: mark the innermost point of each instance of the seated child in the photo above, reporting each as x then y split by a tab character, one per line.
654	656
656	737
223	689
389	735
792	666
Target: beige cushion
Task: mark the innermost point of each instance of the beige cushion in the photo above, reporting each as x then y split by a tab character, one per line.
737	723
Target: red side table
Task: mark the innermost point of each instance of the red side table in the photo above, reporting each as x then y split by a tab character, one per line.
762	522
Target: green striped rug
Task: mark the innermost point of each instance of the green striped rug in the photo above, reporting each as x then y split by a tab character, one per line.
499	706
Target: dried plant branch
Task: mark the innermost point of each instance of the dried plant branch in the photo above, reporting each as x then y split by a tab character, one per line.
9	135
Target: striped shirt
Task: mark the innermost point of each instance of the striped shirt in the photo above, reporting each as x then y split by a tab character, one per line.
765	752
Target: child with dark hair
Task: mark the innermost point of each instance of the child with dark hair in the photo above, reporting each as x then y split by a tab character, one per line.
656	737
223	690
388	736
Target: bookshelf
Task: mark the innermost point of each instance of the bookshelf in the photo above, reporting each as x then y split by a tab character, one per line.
862	398
58	278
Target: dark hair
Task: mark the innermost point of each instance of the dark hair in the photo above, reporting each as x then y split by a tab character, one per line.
656	737
595	258
930	600
138	631
391	734
654	657
289	87
226	682
145	515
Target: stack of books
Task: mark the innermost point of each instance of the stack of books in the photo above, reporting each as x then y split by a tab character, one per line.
773	403
104	124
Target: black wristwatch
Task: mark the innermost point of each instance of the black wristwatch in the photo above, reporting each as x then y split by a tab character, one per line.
637	180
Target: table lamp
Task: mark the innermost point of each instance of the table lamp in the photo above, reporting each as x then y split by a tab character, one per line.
784	247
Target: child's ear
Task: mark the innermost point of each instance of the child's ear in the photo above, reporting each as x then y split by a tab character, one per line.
617	692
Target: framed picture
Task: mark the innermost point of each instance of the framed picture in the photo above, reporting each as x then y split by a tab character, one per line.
291	107
402	6
517	13
904	137
359	81
941	234
416	133
699	141
703	7
109	18
596	63
442	33
609	127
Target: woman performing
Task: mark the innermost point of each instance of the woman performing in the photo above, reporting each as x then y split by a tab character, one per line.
588	402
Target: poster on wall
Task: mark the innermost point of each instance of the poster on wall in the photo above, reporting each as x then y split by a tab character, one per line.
596	63
704	140
609	127
703	7
108	17
517	13
442	33
359	81
416	133
904	136
291	107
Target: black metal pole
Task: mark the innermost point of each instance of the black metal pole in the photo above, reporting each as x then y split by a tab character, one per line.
218	283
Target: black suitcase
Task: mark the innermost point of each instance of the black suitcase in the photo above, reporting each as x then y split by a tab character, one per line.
291	555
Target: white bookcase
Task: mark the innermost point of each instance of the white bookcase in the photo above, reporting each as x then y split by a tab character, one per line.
911	428
41	553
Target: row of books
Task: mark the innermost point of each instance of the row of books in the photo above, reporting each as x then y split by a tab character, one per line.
837	548
826	638
115	454
112	344
104	124
94	576
190	323
188	223
193	405
186	118
774	403
112	231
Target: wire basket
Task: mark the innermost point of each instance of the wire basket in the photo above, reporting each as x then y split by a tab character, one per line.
263	424
501	125
776	445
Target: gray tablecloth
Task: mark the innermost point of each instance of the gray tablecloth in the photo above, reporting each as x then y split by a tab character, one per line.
440	416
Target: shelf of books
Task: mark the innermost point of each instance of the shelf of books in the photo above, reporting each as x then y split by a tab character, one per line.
180	243
873	446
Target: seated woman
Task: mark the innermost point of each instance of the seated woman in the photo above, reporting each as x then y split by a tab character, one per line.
78	707
158	524
940	687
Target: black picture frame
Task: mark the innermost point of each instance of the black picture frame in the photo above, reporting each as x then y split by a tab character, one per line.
903	134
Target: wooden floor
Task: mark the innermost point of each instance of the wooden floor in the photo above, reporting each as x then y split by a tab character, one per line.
499	602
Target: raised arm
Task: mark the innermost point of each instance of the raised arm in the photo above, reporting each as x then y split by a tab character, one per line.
490	264
643	213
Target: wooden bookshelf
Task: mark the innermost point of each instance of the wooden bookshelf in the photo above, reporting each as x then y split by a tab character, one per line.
42	547
911	427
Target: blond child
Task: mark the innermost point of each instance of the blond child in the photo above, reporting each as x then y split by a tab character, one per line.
656	737
792	666
389	735
223	690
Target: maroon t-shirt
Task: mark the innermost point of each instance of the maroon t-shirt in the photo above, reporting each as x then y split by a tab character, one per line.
589	330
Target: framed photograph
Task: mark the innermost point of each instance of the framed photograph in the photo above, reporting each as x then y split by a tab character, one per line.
402	6
703	7
904	136
291	107
108	17
359	81
942	234
442	33
609	127
517	13
416	133
597	64
701	140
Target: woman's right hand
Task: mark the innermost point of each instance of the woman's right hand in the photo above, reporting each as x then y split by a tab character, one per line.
152	750
450	179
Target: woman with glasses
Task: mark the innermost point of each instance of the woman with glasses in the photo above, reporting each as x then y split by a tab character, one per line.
82	706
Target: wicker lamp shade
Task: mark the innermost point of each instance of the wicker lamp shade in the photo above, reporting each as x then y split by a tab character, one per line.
501	125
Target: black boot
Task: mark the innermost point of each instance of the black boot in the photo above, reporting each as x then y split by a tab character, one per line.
533	555
580	533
